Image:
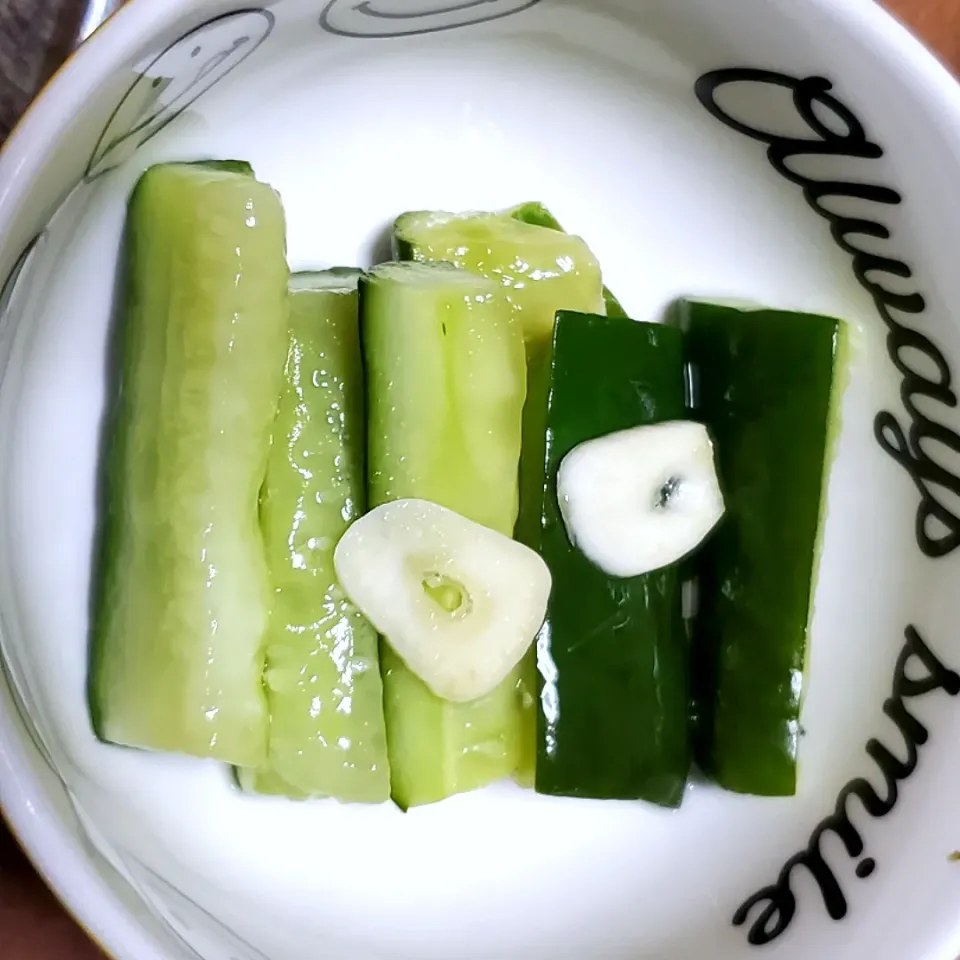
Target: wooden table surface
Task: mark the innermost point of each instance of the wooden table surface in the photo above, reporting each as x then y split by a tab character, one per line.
34	36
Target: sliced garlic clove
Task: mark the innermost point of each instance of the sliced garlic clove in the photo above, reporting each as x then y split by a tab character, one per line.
458	602
640	499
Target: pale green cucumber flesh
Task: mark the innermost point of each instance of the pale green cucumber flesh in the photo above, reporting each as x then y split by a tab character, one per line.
537	214
322	679
540	269
446	380
440	748
181	589
446	383
267	783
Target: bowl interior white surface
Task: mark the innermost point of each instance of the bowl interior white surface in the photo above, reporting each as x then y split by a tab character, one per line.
593	108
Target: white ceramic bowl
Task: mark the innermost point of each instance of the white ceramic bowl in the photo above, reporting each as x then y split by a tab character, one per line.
805	153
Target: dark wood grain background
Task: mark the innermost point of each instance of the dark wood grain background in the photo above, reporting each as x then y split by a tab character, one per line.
35	35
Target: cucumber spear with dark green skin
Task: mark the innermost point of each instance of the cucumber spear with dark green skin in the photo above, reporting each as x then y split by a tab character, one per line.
182	587
767	386
612	654
322	677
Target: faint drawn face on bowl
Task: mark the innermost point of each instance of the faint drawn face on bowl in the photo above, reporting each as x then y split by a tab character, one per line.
168	83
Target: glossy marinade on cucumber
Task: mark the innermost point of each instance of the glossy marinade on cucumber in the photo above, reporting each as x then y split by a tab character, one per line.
767	385
612	655
446	382
182	591
321	677
539	269
538	215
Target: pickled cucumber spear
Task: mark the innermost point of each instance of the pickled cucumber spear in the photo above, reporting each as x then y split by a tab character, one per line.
182	588
322	675
446	382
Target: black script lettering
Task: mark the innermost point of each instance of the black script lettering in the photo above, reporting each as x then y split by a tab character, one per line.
939	676
777	903
937	526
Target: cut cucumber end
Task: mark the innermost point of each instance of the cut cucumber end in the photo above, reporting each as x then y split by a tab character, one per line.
536	213
241	167
334	280
538	269
426	274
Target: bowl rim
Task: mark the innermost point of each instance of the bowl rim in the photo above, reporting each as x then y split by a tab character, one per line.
61	863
